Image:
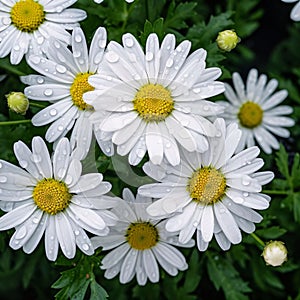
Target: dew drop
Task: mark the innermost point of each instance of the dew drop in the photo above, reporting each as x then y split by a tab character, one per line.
78	38
239	200
61	172
76	232
85	247
53	112
140	153
17	47
169	63
48	92
40	40
6	21
40	80
61	69
36	158
59	9
35	59
245	194
149	56
23	163
129	42
60	128
51	237
245	181
21	233
112	56
168	145
17	242
195	224
35	220
222	211
68	179
98	58
3	179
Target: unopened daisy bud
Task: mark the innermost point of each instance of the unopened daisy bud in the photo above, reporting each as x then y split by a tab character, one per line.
17	102
275	253
227	40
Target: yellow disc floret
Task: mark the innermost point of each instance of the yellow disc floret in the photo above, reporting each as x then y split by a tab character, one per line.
79	87
250	114
27	15
153	102
207	185
51	196
142	235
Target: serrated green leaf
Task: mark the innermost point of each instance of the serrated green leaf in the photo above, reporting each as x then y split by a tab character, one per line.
97	291
66	278
282	161
223	275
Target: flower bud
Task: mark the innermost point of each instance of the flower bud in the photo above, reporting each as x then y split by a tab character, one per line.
275	253
17	102
227	40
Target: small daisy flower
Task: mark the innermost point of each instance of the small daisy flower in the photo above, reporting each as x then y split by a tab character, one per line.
256	110
63	81
295	13
213	193
52	197
154	101
139	244
25	25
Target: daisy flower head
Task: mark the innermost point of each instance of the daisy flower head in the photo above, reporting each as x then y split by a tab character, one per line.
154	101
51	196
139	244
63	80
25	25
255	108
214	193
295	13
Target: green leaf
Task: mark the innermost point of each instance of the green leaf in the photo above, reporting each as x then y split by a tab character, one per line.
282	161
273	232
97	291
223	275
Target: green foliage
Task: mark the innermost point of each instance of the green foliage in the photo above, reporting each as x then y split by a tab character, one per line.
223	275
74	282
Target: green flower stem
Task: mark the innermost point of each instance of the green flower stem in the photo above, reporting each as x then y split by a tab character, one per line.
260	241
37	105
274	192
5	123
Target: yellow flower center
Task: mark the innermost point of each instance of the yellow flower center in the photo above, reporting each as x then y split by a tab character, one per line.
27	15
250	114
51	196
153	102
142	235
80	86
207	185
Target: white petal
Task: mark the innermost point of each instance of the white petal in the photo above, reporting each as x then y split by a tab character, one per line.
150	265
51	241
207	223
128	266
65	235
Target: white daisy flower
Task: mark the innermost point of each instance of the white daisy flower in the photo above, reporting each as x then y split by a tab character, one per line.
213	193
256	110
295	13
154	101
52	197
63	81
25	25
139	244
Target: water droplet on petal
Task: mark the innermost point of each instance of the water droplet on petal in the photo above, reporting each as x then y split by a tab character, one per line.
48	92
76	232
129	42
40	80
239	200
36	158
140	153
6	21
35	59
3	179
78	38
245	181
149	56
35	220
21	233
17	47
245	194
51	237
61	69
53	112
169	63
195	224
23	163
68	179
59	9
112	56
196	90
85	247
60	128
